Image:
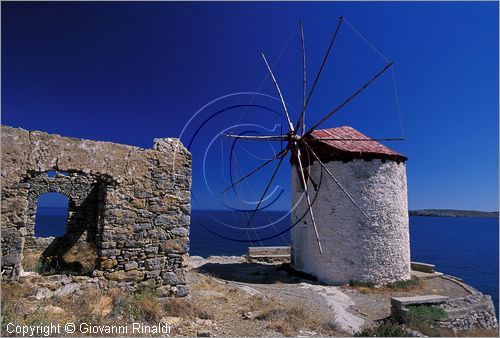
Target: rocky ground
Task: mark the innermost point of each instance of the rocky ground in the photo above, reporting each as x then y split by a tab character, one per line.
229	297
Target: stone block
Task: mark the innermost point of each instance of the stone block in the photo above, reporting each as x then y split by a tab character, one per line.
180	232
155	263
108	245
109	263
181	291
11	259
152	274
138	203
179	245
161	220
110	252
171	278
131	266
141	226
152	250
126	276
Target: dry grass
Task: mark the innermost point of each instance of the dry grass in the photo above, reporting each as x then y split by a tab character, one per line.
266	312
11	308
405	285
82	254
31	261
16	309
412	284
81	259
206	282
96	306
146	307
186	308
217	302
287	319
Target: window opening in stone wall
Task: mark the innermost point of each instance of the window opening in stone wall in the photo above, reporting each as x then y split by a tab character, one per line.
51	215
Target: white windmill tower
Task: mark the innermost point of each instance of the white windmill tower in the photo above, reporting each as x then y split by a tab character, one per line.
357	224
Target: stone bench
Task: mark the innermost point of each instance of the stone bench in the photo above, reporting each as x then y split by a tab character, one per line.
269	253
423	267
399	308
401	302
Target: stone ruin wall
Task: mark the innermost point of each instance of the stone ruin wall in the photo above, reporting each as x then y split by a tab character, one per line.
130	205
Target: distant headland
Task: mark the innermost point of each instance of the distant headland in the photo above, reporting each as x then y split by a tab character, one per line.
453	213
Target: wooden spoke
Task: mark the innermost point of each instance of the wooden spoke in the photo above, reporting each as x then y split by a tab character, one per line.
259	137
325	58
301	121
265	192
349	99
336	181
309	177
280	154
306	190
290	125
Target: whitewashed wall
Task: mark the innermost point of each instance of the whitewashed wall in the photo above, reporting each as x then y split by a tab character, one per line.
354	247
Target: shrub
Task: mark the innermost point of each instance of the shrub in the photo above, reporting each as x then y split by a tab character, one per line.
427	314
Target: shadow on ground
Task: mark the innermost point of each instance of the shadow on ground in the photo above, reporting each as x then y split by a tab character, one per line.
255	273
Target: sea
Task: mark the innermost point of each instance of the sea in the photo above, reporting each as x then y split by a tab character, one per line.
465	247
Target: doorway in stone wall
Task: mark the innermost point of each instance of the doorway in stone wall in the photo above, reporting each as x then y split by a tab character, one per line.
62	218
51	224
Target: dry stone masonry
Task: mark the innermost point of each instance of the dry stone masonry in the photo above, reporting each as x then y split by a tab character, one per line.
475	311
128	212
468	313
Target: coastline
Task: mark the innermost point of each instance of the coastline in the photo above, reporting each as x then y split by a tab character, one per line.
453	213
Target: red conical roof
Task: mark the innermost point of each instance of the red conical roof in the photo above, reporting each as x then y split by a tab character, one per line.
349	145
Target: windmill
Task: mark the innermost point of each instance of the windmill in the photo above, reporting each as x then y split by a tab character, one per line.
298	138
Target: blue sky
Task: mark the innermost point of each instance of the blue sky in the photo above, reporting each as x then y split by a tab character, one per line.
130	72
